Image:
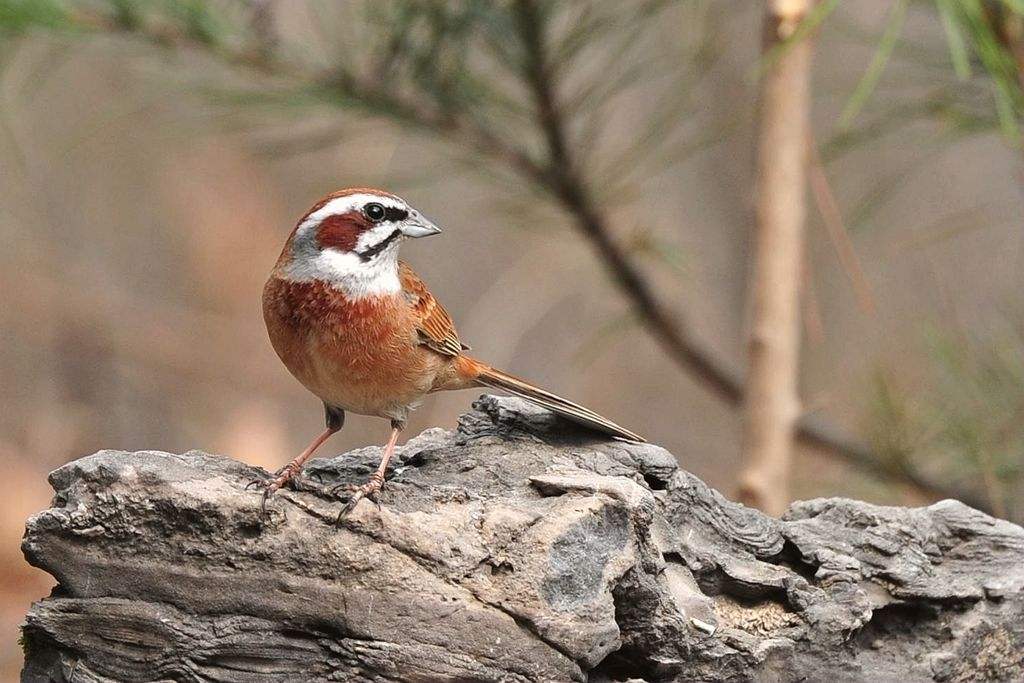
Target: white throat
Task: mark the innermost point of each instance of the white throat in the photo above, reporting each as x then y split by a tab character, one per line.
347	272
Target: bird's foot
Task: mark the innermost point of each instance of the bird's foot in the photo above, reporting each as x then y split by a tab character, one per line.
276	481
262	481
369	490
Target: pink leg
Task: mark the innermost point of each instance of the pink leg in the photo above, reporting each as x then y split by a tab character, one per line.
373	486
292	468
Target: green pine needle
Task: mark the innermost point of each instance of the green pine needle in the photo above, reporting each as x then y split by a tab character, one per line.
869	81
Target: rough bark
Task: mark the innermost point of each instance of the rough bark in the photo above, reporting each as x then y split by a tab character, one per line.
514	549
771	406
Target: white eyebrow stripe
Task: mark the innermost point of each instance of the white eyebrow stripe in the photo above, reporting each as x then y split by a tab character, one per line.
342	205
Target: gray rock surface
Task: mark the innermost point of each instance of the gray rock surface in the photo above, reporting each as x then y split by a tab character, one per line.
514	549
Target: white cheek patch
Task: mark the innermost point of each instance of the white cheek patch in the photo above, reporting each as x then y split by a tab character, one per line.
374	236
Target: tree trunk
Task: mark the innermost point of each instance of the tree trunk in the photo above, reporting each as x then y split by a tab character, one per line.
771	405
517	549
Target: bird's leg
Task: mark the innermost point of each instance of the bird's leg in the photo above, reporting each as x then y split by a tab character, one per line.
376	481
292	468
335	419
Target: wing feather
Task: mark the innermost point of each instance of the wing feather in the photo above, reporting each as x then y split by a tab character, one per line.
434	325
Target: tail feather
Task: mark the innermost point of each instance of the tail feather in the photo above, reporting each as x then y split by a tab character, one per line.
497	379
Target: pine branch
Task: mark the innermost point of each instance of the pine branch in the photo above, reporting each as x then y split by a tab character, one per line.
555	173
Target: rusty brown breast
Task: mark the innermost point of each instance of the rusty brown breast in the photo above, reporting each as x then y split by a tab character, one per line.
362	356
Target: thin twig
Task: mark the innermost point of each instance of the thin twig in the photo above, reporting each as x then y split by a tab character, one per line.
814	328
832	217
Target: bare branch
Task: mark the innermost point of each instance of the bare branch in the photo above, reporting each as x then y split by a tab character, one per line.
566	183
771	403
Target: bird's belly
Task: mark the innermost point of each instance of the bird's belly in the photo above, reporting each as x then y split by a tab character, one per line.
360	380
364	361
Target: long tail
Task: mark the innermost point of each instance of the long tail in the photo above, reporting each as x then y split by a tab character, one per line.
491	377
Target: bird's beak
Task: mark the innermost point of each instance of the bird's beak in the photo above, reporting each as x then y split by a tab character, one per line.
418	226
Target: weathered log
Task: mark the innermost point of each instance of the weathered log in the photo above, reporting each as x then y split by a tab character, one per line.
514	549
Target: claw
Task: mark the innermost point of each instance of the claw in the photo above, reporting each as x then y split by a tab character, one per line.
346	509
280	478
267	493
261	480
339	487
368	490
269	487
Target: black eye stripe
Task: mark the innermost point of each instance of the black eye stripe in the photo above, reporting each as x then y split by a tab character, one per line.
393	214
378	213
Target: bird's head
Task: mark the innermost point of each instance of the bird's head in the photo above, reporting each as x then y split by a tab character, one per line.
350	238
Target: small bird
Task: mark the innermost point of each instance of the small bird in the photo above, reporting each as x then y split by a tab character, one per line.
359	329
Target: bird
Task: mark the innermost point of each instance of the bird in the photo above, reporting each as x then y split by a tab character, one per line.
360	330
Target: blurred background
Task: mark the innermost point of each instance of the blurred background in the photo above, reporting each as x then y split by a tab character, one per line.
596	167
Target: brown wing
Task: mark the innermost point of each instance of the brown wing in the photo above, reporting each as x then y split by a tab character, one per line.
435	326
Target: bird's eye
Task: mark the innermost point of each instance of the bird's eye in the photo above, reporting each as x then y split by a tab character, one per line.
375	212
